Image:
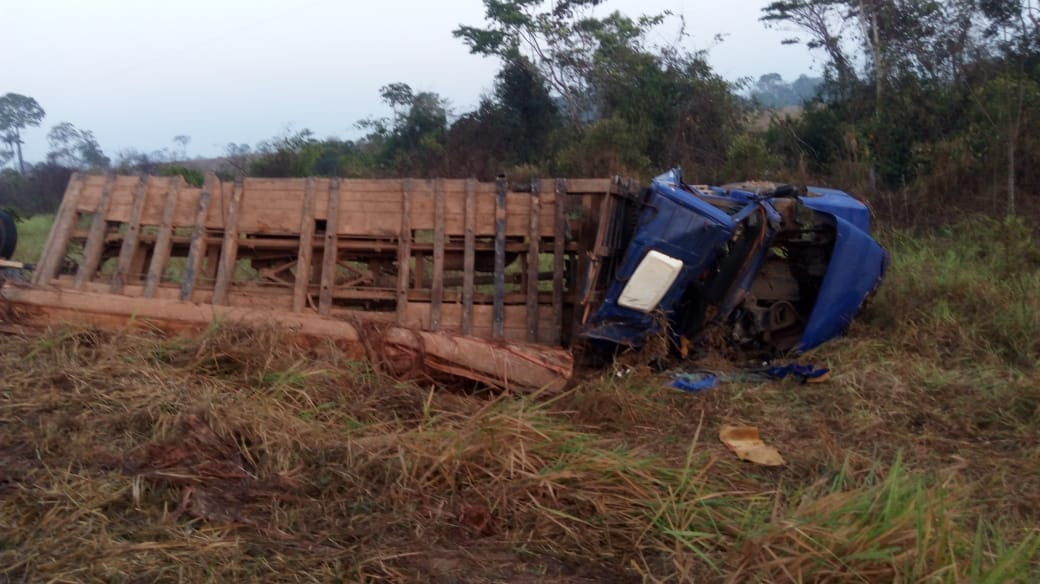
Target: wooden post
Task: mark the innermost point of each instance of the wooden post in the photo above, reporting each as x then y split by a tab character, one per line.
534	237
128	251
96	238
404	252
559	241
469	256
161	251
330	253
499	309
437	280
197	246
58	239
306	249
229	249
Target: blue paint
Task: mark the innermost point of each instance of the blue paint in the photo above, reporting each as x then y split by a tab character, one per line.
838	204
855	271
681	222
677	224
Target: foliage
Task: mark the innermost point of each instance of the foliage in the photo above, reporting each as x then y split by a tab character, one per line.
193	177
236	454
74	148
944	100
18	112
38	191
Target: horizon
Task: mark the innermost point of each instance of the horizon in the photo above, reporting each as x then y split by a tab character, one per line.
240	87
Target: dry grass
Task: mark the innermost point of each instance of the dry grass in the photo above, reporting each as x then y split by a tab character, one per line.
236	457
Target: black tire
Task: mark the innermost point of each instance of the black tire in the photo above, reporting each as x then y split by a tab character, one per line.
8	235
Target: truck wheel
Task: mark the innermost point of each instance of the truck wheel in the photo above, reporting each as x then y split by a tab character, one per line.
8	235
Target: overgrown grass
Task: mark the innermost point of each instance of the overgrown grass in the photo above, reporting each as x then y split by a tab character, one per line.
967	290
236	456
32	234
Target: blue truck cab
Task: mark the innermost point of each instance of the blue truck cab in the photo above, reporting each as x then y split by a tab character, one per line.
777	269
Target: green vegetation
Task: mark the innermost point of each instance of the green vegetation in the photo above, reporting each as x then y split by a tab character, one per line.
236	456
32	234
925	109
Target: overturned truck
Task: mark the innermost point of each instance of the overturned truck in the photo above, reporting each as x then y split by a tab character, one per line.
494	282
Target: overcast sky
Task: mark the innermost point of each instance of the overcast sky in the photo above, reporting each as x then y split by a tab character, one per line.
138	72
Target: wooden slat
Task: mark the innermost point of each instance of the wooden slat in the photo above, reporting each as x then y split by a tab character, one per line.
58	238
229	249
330	252
469	257
559	241
303	259
197	247
404	253
500	257
532	262
277	210
161	251
128	251
516	367
96	238
437	281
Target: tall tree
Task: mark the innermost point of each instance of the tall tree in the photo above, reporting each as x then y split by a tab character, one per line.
182	141
530	112
558	38
18	112
74	148
824	22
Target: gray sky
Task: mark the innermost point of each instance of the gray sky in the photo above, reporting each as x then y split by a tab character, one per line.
138	72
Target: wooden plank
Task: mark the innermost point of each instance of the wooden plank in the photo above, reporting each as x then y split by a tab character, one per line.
306	250
128	251
512	366
58	238
330	252
276	210
96	238
161	251
532	262
404	253
437	280
197	247
229	249
469	257
559	241
500	257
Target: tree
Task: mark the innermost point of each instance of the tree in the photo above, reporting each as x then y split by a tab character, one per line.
824	22
182	141
559	39
18	112
529	111
1003	107
237	157
74	148
414	141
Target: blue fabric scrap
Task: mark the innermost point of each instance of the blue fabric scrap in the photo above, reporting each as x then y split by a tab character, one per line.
695	382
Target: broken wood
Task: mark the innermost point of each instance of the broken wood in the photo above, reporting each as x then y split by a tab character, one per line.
330	252
133	228
96	237
197	248
306	248
58	238
229	249
437	254
161	250
511	366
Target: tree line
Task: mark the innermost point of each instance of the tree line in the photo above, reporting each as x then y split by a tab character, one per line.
924	107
